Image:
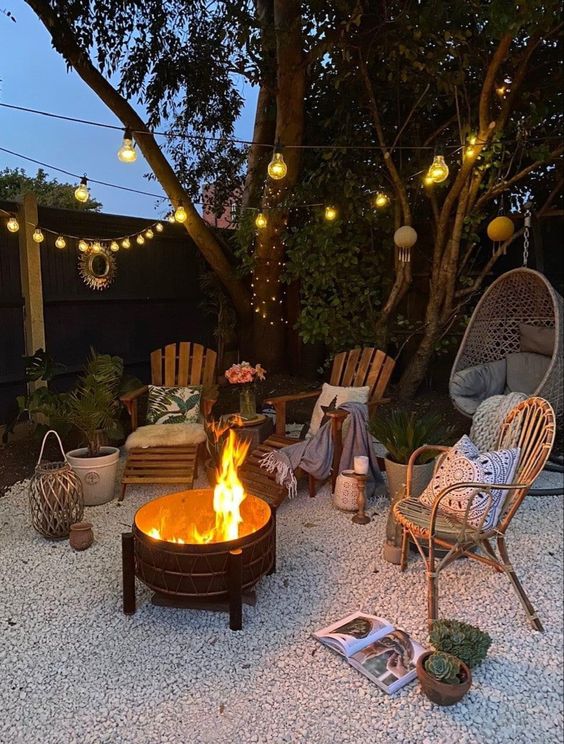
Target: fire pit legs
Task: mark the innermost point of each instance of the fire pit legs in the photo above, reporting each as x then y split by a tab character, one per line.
272	569
235	587
128	569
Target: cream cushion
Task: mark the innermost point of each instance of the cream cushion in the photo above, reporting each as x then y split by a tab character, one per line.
343	395
165	435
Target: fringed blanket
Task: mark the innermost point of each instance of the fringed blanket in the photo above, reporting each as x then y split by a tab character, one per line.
315	455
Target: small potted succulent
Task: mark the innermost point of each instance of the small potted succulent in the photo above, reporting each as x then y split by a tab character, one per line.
444	678
401	432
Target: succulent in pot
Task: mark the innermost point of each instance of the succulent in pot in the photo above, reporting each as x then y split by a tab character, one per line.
401	432
467	642
444	678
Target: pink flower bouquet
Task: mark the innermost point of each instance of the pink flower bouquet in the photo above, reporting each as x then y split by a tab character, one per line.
244	373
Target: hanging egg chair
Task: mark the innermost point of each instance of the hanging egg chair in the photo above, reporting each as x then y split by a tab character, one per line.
513	344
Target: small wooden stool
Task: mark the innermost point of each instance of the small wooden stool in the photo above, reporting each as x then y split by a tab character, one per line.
150	465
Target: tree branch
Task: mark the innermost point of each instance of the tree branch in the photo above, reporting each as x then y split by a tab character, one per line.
489	81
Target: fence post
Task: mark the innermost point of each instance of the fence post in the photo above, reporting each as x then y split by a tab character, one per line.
30	272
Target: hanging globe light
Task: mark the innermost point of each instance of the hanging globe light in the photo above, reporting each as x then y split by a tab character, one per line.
114	246
170	218
139	240
438	170
277	168
12	224
149	234
127	152
38	236
180	214
97	247
60	242
81	192
82	246
331	213
500	229
405	238
381	200
159	227
126	243
261	221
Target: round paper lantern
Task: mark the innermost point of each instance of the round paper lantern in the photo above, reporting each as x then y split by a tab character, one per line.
500	229
405	237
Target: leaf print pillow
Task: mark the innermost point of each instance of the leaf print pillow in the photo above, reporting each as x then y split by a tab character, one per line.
174	405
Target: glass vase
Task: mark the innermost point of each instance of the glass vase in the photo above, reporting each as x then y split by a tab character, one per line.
247	403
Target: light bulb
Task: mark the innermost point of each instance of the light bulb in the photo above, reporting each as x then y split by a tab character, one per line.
439	169
427	180
149	234
60	242
180	214
127	152
114	246
82	246
261	221
170	217
277	168
469	152
38	236
81	192
381	200
139	240
97	247
159	227
126	243
330	213
12	224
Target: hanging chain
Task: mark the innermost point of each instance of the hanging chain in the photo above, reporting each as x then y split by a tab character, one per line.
526	233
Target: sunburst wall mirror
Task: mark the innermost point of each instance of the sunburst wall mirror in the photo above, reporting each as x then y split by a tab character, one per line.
97	269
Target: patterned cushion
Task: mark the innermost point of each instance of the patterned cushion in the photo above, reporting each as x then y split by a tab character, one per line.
463	463
174	405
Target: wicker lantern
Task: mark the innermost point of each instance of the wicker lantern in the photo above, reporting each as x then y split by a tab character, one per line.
55	496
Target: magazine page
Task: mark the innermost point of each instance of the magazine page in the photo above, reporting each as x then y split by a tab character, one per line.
353	632
389	661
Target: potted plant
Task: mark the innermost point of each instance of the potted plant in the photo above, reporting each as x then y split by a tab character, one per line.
401	433
467	642
444	678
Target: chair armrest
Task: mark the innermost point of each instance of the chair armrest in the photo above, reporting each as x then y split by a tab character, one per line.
279	403
372	404
130	400
411	462
207	406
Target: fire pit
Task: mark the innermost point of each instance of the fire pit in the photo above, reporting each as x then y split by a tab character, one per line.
202	548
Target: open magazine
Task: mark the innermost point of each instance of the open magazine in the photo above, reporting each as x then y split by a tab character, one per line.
384	654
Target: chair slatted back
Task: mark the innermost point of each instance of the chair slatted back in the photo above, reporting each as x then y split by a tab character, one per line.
530	426
363	367
183	364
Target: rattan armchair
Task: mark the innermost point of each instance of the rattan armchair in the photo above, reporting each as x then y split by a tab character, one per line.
530	426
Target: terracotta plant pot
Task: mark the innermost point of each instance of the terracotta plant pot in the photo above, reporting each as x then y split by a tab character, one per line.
439	692
81	535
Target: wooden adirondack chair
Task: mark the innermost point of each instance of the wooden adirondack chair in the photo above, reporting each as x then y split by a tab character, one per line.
180	364
356	368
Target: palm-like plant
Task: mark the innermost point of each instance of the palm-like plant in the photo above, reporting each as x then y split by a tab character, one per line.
402	432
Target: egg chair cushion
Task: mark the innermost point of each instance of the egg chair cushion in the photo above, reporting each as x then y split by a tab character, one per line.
536	339
469	387
525	371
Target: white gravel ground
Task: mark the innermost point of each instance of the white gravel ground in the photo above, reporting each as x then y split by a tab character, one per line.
73	668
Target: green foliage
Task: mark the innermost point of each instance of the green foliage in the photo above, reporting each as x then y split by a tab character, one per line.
461	639
443	667
402	432
48	191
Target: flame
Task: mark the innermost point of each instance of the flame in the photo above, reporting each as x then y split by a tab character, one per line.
220	525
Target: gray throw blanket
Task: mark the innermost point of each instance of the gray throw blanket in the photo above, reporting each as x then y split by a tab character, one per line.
315	455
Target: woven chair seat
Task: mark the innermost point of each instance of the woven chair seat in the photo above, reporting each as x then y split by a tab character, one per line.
412	513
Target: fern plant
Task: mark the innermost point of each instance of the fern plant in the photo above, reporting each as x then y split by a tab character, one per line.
402	432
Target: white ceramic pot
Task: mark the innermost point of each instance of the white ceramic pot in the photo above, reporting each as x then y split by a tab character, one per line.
397	477
345	496
97	474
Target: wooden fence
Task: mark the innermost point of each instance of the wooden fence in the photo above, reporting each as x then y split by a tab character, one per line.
155	298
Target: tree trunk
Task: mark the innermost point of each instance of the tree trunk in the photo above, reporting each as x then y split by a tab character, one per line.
65	43
270	312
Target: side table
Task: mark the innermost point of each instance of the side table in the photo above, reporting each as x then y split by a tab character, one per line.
255	433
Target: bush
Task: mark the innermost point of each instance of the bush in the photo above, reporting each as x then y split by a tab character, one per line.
468	643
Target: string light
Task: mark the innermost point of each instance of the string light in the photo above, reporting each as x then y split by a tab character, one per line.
38	236
277	168
127	152
82	246
139	240
81	192
97	247
60	242
180	214
381	200
149	234
170	218
261	221
12	224
438	170
427	180
330	213
159	227
114	246
126	243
